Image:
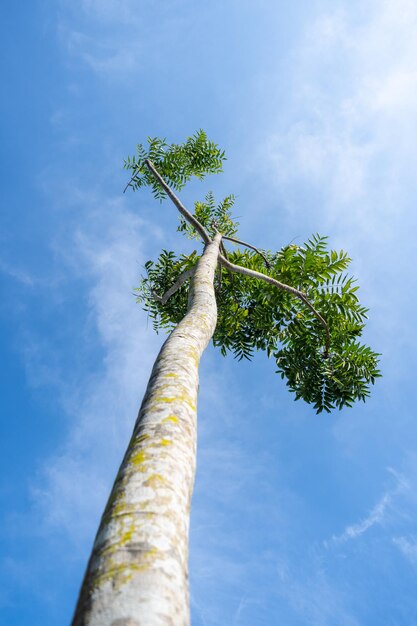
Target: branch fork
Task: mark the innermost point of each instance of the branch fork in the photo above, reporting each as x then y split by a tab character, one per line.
224	261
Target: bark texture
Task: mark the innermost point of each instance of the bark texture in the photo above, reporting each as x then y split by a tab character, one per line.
138	571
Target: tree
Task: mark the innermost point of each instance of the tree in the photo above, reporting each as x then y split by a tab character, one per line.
297	304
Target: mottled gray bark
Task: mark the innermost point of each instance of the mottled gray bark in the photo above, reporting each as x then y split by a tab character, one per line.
138	571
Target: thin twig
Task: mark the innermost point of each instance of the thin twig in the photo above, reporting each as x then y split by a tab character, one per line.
243	243
181	208
223	249
132	177
248	245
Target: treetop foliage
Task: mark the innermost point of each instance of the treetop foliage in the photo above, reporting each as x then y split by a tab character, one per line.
256	315
176	163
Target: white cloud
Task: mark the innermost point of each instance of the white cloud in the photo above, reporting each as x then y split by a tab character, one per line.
377	514
21	276
109	55
314	598
107	251
351	133
111	10
116	38
408	547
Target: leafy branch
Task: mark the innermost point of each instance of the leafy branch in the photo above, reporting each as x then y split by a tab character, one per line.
191	219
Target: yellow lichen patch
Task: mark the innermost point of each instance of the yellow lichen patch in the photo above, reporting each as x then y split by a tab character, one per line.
171	418
118	508
138	458
126	536
181	397
128	527
116	574
155	480
151	554
171	375
194	355
161	442
120	573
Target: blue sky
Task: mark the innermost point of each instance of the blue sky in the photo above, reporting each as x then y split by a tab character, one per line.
297	519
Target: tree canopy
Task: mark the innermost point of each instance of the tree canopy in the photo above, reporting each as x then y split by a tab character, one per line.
298	304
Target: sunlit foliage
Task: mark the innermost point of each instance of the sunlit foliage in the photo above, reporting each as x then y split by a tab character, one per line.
255	315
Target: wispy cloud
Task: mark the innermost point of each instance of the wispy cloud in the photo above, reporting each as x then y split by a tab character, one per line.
108	56
377	514
313	597
408	547
106	251
21	276
245	602
115	39
350	132
121	11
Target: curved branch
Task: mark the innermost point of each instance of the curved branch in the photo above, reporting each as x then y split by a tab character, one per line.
231	266
239	269
131	178
179	283
295	292
181	208
248	245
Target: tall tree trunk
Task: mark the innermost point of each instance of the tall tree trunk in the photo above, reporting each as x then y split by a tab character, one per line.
138	571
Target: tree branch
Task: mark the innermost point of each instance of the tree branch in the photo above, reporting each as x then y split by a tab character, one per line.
131	178
231	266
181	208
223	249
179	283
295	292
248	245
